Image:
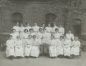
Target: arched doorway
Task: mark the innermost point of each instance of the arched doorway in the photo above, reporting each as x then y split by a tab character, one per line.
17	17
50	18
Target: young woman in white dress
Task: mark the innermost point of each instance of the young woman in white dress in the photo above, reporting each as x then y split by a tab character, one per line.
35	51
35	27
61	30
70	35
48	28
56	34
19	50
75	48
10	48
53	47
28	46
67	47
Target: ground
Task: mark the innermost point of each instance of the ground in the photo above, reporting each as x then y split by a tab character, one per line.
43	61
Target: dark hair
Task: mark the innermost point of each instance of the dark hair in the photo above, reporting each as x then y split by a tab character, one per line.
25	30
56	29
30	29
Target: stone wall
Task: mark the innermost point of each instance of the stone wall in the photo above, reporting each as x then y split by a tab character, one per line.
32	12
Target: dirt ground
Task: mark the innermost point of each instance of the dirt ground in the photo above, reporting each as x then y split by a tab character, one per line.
43	61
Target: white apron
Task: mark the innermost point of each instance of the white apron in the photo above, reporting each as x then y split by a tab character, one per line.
35	48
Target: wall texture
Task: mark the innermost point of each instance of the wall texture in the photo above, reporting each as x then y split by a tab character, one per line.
32	12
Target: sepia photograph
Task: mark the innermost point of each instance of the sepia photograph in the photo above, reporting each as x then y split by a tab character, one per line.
42	32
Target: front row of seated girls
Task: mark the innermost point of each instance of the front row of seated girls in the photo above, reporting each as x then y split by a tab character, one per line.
30	46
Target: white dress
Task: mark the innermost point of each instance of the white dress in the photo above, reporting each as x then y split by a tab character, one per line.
22	28
53	48
36	28
10	48
57	35
35	48
17	28
55	27
14	35
24	37
48	29
75	50
27	27
67	47
33	33
40	36
70	36
46	38
28	47
59	47
19	51
61	31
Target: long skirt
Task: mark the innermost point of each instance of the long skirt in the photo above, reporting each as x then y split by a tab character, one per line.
35	51
10	52
75	51
27	51
53	51
19	52
67	51
59	51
